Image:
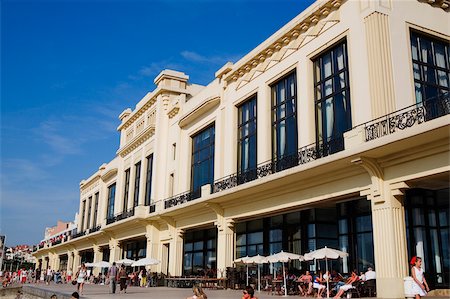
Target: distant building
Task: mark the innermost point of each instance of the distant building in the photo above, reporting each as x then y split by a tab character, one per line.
21	253
2	251
332	132
59	228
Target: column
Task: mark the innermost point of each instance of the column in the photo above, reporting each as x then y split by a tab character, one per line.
56	261
225	246
76	261
45	263
389	230
391	262
97	258
152	236
114	253
176	252
69	260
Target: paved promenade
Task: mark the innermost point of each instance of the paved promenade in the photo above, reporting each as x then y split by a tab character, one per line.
100	292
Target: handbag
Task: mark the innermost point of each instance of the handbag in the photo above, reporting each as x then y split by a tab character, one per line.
74	282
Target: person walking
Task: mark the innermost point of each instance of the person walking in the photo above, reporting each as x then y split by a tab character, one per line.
123	279
113	272
420	286
81	277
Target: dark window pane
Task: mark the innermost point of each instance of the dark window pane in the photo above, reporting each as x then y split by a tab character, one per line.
333	112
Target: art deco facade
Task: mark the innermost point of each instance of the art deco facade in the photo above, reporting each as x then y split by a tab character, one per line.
334	131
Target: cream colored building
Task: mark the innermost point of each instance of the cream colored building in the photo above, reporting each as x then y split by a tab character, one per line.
332	132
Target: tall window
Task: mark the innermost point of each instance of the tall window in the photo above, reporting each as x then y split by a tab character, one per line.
171	184
135	249
111	199
88	226
148	183
202	169
136	184
247	139
332	98
284	121
95	210
83	211
200	252
431	66
127	190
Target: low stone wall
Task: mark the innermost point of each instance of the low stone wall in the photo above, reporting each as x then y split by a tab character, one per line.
10	292
31	292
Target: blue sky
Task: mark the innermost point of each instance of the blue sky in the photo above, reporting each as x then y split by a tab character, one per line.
69	68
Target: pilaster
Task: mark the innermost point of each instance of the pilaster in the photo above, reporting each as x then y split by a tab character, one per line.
114	253
225	245
152	236
176	252
97	258
379	63
76	261
389	230
69	260
132	185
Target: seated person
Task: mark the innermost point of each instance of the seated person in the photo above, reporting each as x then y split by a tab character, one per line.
307	280
348	285
370	274
318	284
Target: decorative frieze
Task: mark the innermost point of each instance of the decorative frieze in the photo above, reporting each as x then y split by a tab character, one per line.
296	37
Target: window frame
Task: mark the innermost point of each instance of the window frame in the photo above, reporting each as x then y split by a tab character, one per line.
240	127
211	155
274	113
335	140
148	180
137	179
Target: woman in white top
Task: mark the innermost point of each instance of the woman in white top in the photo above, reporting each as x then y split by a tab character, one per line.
81	277
420	286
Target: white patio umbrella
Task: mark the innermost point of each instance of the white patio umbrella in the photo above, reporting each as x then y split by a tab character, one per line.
148	261
126	262
257	259
101	264
243	260
89	264
325	253
283	257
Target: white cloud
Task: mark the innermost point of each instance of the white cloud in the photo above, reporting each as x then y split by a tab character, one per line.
215	59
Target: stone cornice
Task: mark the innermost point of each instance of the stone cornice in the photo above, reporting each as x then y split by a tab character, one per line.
444	4
137	140
199	110
312	22
86	184
109	174
150	99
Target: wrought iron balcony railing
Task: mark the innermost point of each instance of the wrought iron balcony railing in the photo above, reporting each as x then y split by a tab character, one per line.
95	229
77	235
304	155
125	214
408	117
181	198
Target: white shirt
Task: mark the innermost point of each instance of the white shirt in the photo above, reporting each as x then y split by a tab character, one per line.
370	275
